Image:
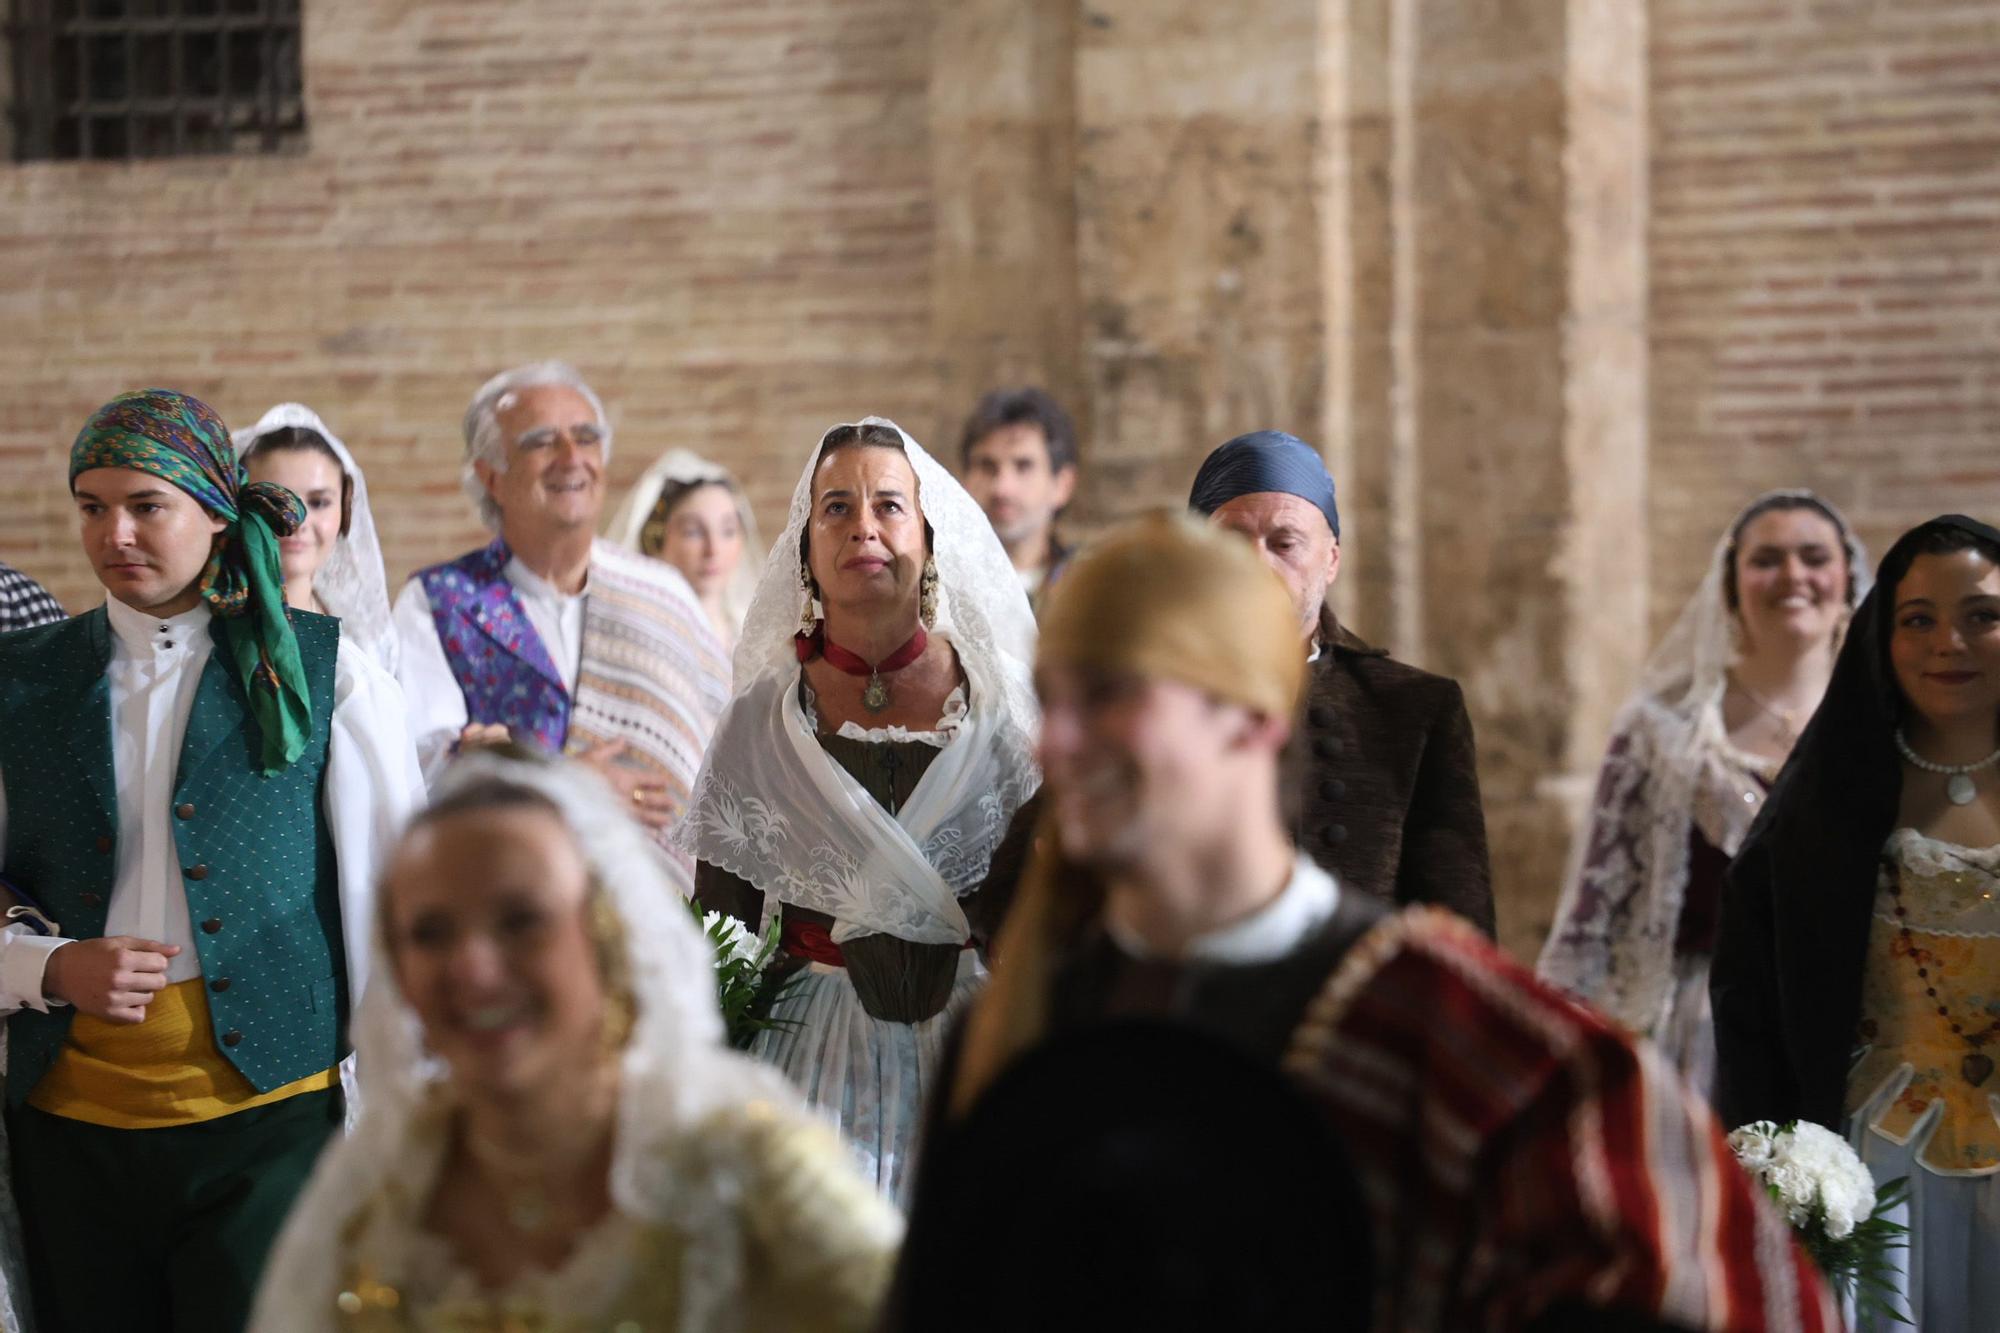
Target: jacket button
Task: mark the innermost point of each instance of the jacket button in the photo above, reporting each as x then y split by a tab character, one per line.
232	1038
197	872
1332	789
1329	747
184	810
212	925
104	844
1320	715
219	985
1336	833
92	899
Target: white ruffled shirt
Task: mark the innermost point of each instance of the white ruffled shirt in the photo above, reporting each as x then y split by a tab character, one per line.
436	703
372	787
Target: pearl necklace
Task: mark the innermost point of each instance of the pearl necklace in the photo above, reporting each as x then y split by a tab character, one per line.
1959	789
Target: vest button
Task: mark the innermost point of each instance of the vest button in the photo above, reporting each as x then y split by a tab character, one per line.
184	810
219	985
212	925
1320	715
197	872
1336	833
104	844
232	1038
1328	747
1332	789
92	899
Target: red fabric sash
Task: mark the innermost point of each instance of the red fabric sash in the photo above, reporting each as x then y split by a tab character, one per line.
811	941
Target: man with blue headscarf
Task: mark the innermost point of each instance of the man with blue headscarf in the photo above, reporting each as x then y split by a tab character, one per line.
1389	795
197	789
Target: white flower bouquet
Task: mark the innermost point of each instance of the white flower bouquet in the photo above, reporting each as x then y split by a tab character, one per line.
1831	1201
747	988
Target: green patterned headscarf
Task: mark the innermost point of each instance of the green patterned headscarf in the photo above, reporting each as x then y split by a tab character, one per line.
180	439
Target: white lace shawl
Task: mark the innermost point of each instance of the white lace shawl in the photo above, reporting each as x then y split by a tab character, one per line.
676	1075
1668	769
681	465
772	807
351	583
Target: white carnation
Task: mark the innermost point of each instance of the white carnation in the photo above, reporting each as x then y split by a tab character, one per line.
737	943
1808	1166
1754	1145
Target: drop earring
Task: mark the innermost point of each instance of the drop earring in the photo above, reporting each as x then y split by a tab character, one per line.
927	597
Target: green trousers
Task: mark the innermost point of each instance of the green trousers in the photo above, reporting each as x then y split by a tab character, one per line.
159	1230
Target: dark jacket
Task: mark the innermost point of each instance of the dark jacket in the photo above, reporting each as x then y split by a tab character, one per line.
1387	794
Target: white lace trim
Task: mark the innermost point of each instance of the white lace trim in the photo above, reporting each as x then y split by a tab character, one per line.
948	722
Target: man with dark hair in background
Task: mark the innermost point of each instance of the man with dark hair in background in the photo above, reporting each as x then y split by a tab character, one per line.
1018	456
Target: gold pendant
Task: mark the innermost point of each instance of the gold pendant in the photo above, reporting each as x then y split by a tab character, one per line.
875	697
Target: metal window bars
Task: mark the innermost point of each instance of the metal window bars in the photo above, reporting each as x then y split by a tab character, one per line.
126	79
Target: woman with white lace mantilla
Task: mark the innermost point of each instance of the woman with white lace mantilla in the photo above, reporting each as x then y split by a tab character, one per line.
333	563
1863	915
554	1136
880	739
1692	754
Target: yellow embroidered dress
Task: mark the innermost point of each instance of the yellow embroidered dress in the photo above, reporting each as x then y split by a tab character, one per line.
1924	1095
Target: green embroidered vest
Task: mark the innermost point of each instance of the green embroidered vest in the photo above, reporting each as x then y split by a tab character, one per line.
256	857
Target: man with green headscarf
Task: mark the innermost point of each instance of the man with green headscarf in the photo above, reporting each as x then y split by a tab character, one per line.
197	788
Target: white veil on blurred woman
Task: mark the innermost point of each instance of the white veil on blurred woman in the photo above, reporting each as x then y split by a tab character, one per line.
351	584
732	1208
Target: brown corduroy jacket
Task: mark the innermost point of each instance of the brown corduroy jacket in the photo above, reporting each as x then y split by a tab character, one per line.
1389	793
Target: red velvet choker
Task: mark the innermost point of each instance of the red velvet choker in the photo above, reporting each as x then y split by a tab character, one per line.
875	697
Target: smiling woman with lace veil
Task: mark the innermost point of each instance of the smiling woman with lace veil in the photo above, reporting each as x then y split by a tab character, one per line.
1692	754
335	559
880	739
553	1135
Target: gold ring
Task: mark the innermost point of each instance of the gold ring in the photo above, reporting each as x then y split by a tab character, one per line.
638	796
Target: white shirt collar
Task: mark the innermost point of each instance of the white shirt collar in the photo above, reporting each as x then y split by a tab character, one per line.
141	634
1272	931
531	584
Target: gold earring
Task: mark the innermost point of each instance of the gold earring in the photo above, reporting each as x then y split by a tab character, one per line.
808	622
617	1028
928	593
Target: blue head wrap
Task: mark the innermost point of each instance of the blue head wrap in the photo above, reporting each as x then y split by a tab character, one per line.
1265	460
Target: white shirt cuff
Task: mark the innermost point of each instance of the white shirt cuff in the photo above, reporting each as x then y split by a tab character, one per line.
24	957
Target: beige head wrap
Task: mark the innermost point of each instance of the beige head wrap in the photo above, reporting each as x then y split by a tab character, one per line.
1171	598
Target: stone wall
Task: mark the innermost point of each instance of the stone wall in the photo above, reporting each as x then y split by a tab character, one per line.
1555	284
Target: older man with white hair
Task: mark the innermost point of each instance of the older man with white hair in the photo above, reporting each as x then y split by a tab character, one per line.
549	636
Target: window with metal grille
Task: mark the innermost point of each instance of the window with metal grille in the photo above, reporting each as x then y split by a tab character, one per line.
121	79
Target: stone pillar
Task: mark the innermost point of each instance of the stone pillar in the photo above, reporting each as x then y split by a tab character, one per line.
1004	275
1487	328
1199	233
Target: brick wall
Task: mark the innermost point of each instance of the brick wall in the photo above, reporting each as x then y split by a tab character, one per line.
1825	277
717	209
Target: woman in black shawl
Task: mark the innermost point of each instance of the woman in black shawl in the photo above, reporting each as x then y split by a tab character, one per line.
1857	974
